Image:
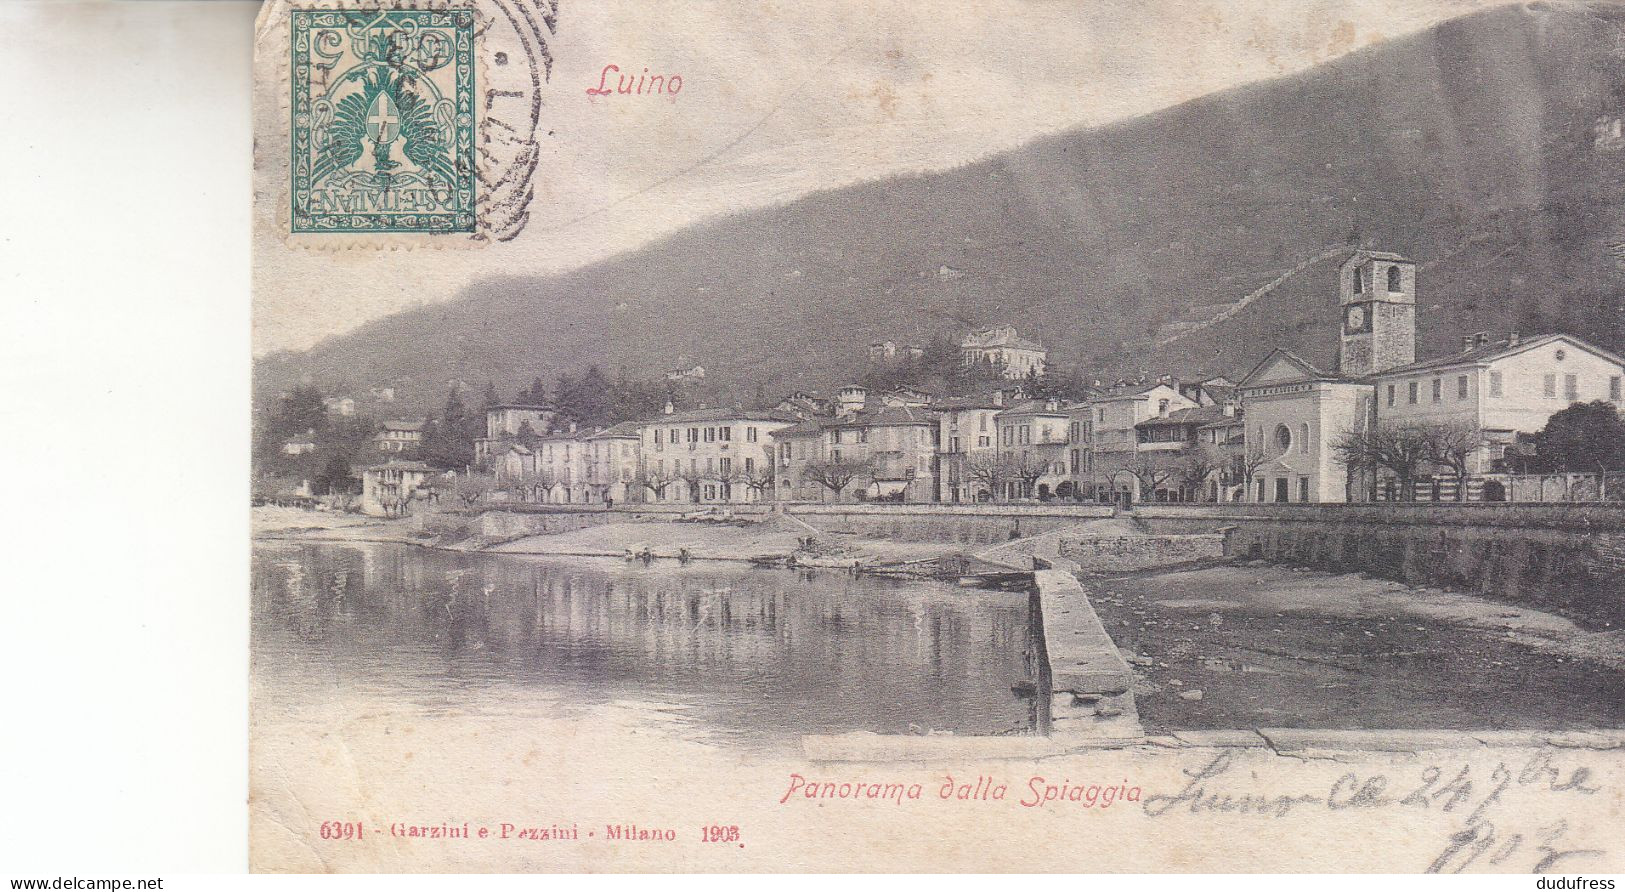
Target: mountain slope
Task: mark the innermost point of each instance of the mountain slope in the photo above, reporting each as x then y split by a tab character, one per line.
1485	148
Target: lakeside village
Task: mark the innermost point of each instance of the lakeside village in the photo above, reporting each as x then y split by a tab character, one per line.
1509	418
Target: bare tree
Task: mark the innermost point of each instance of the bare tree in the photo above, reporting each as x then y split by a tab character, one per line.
834	475
471	488
989	470
1451	446
1150	471
1026	470
1196	466
1247	464
656	481
1399	447
692	478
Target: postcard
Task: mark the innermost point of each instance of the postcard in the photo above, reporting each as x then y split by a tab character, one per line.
995	436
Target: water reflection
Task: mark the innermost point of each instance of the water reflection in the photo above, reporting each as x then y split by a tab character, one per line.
751	656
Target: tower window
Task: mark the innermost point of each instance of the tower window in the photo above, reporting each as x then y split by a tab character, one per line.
1359	281
1393	279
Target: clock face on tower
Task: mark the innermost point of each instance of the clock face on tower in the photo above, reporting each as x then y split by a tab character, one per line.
1356	318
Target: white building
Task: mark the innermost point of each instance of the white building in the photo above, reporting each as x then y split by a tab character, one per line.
399	436
1004	349
1501	389
967	436
388	488
709	455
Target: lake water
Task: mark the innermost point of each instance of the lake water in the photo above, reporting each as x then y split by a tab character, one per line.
714	652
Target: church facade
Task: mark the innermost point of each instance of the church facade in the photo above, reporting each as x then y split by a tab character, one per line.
1296	413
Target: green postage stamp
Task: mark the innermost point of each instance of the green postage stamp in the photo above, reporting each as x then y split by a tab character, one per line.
383	121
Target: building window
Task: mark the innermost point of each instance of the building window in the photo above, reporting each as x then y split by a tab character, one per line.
1101	417
1571	387
1438	389
710	434
1303	483
1303	435
727	467
1283	438
1391	390
981	423
1411	393
1495	383
1614	388
750	464
1461	387
750	435
1549	387
1393	279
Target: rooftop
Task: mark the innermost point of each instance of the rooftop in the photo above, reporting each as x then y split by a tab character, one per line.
702	415
1003	336
1491	352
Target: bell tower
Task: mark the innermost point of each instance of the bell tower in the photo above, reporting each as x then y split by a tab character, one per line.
1378	303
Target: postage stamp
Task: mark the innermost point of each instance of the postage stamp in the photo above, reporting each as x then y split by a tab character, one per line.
383	117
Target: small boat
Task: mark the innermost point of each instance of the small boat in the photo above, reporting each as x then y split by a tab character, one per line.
1014	580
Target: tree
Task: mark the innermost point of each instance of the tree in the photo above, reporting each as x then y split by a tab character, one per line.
759	477
834	475
1151	472
692	478
471	488
1451	446
449	441
1583	437
1244	464
335	477
527	435
656	481
301	410
990	471
1400	447
1026	470
535	394
1196	466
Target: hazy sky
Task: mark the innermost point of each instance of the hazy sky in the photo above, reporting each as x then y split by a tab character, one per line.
780	99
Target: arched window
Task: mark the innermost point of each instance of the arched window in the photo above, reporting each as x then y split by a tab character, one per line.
1393	279
1283	437
1303	435
1359	280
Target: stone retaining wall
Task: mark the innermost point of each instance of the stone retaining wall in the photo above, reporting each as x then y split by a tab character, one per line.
965	525
1569	558
1123	553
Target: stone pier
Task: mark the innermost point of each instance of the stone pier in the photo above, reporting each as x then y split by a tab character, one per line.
1089	684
